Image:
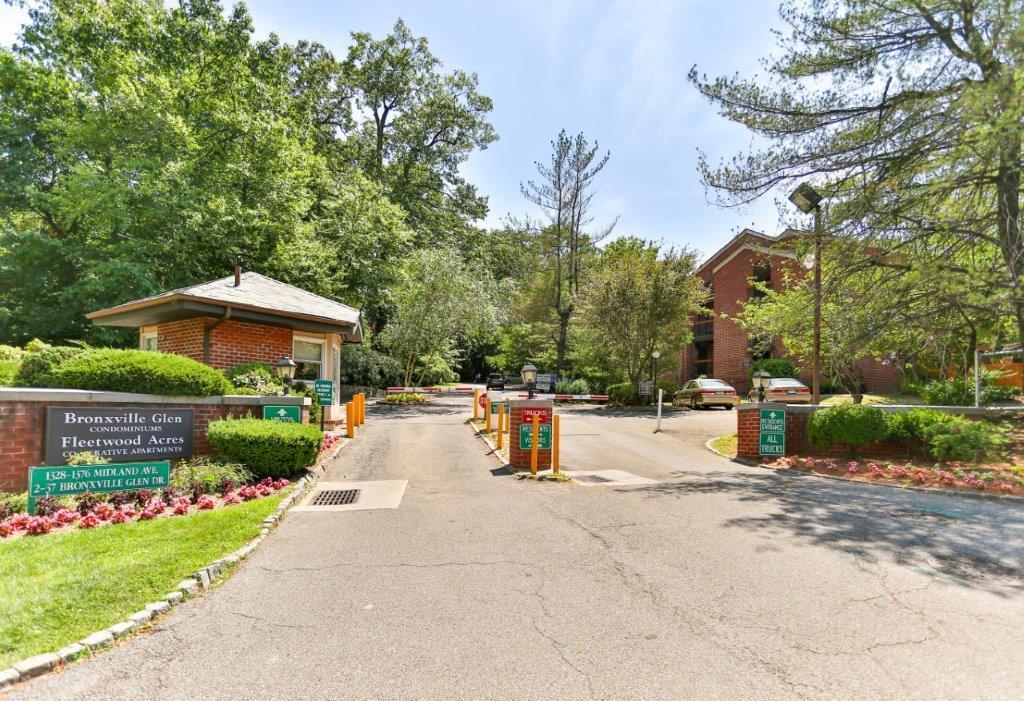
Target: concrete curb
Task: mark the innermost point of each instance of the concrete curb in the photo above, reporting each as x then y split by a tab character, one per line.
492	445
186	589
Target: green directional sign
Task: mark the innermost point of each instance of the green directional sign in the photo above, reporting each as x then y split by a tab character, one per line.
495	405
288	414
324	391
64	480
526	433
773	432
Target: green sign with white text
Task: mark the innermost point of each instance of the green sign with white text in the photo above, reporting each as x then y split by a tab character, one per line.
324	391
526	433
64	480
288	414
772	439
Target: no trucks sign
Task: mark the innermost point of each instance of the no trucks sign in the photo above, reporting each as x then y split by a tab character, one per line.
773	432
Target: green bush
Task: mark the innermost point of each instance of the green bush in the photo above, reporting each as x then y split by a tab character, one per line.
11	353
40	360
623	393
572	387
301	389
406	398
960	391
910	425
266	448
362	366
207	476
145	372
776	367
963	439
257	377
8	370
13	503
852	425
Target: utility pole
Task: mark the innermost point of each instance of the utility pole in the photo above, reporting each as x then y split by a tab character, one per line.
816	379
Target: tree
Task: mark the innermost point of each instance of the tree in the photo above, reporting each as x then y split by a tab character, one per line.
908	115
565	194
641	298
438	300
420	126
141	148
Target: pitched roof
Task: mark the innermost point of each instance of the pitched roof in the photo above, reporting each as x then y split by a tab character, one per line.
255	293
748	238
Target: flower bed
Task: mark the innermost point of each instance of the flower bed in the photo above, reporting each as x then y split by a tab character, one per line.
1001	478
406	398
53	516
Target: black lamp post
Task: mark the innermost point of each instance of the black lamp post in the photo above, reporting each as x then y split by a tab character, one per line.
529	373
285	371
808	200
761	379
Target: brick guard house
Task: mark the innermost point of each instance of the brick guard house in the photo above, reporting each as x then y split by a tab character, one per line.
720	348
242	318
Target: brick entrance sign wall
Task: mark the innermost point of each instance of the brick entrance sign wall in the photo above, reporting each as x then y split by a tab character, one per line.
23	420
520	459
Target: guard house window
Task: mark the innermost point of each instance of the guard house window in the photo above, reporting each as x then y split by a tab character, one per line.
309	359
149	341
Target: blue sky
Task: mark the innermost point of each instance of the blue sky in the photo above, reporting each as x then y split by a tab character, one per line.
615	70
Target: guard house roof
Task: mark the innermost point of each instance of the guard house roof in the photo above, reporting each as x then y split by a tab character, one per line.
249	297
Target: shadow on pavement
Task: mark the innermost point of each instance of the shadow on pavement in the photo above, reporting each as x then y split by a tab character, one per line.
399	410
974	543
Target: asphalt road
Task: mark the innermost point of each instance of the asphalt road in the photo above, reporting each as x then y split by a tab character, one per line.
720	581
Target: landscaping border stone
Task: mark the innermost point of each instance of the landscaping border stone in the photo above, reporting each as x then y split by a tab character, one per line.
46	662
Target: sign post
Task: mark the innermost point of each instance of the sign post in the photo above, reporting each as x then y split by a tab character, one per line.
772	436
325	395
288	414
64	480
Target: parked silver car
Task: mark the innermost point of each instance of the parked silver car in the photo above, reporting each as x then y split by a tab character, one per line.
704	393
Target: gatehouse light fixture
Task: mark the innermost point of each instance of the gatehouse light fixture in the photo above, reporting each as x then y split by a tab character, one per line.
285	371
529	373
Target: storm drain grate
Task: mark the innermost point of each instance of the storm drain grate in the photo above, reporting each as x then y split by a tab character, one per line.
924	515
335	497
594	479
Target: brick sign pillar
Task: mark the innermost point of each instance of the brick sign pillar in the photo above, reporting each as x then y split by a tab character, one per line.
521	412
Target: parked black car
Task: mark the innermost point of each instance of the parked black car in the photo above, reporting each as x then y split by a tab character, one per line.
496	381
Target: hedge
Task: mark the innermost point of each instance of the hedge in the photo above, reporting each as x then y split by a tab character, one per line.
145	372
776	367
852	425
40	360
267	448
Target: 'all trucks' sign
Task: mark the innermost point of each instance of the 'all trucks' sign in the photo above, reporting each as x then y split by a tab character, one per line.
119	434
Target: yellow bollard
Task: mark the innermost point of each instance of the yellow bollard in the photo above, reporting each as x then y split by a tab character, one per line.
350	420
501	424
534	443
487	419
554	444
362	408
476	404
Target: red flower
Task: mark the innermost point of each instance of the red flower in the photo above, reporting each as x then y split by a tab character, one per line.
206	502
281	484
248	492
66	516
39	525
103	511
88	521
120	517
181	506
6	529
232	498
19	522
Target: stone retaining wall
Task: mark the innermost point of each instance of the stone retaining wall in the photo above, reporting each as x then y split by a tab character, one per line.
748	427
23	420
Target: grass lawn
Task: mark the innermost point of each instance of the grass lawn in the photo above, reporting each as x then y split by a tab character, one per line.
56	589
726	445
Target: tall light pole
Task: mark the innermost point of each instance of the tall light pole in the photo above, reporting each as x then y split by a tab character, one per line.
807	200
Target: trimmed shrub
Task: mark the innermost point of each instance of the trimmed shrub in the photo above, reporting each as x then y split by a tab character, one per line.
963	439
572	387
11	353
406	398
910	425
266	448
776	367
623	393
40	360
146	372
363	366
960	391
261	381
852	425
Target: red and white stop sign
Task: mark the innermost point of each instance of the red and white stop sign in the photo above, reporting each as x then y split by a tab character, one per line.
483	399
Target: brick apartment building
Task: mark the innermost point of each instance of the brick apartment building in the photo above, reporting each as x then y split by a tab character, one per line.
720	348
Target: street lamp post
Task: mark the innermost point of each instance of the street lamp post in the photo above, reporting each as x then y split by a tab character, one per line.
655	354
529	373
761	379
285	371
808	200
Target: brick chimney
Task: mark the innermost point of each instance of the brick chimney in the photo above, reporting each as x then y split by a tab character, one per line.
238	275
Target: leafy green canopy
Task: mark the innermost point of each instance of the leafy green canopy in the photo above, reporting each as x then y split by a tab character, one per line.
907	114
